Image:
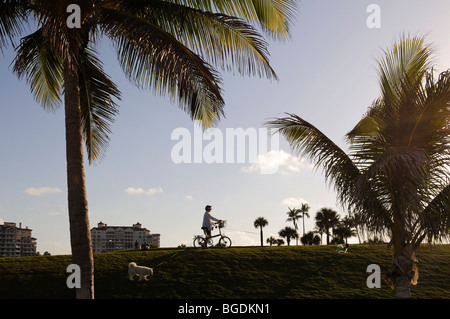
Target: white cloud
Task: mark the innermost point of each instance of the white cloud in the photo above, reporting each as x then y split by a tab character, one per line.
61	211
241	238
42	191
277	161
188	197
54	213
293	202
141	191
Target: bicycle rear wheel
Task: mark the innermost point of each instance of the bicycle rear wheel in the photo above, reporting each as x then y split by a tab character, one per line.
225	242
199	242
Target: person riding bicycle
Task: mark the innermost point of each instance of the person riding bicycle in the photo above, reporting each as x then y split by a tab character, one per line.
208	221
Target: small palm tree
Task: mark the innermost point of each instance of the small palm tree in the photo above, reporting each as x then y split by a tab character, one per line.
172	47
288	233
327	218
261	222
341	234
396	176
348	223
319	229
271	240
310	238
293	216
279	242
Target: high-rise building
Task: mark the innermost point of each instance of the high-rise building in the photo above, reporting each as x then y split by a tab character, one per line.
16	241
110	238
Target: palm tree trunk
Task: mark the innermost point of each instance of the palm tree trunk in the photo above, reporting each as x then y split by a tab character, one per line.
80	235
303	224
402	290
261	234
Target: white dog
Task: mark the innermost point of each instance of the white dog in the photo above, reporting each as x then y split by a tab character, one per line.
141	271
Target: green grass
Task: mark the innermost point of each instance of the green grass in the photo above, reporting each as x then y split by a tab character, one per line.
241	272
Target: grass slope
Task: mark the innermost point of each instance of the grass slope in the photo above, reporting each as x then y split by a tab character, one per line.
241	272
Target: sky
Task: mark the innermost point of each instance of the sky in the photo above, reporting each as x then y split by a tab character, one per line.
328	76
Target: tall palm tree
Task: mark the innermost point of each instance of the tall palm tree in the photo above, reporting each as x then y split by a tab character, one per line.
288	233
293	216
261	222
396	175
327	218
173	47
304	211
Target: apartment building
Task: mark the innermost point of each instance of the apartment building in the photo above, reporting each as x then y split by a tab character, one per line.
110	238
16	241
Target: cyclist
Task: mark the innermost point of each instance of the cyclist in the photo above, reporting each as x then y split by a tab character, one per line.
208	222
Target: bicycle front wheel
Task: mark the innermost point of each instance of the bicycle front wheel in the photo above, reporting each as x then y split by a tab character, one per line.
225	242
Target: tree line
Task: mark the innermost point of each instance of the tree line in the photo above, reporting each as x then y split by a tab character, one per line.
328	222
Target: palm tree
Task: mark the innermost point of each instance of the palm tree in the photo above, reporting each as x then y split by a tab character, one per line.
294	215
304	211
327	218
319	229
173	47
279	242
310	238
261	222
396	175
288	233
341	233
271	240
348	228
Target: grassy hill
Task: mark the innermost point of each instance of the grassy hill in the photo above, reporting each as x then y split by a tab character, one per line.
241	272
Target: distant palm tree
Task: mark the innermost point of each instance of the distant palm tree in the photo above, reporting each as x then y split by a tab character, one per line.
342	233
261	222
294	215
271	240
279	242
310	238
348	223
288	233
396	176
172	47
327	218
319	229
304	212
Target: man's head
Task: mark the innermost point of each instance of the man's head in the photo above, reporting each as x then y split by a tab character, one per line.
208	208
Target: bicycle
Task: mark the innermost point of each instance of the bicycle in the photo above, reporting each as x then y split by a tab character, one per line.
224	241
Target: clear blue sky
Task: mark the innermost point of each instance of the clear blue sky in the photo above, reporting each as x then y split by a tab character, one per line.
327	76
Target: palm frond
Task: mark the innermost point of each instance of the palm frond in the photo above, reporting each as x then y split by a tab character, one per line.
37	60
98	109
306	140
154	59
434	220
12	19
224	41
407	61
274	16
340	171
